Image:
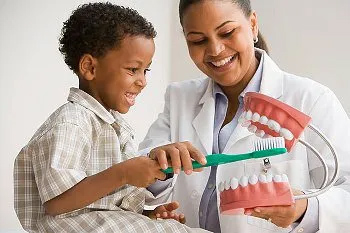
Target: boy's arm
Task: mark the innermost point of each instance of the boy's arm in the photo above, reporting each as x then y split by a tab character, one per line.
140	172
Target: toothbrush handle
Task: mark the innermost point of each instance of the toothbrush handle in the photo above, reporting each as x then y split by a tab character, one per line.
195	165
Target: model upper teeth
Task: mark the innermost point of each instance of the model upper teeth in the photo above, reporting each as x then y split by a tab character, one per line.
234	183
221	62
247	117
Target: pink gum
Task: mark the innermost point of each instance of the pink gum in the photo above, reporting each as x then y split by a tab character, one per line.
260	194
287	116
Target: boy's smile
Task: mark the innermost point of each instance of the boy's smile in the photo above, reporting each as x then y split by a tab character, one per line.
120	75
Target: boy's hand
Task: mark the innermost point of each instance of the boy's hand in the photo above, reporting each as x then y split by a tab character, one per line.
178	155
166	211
141	171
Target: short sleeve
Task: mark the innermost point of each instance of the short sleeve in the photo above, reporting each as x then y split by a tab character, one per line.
60	158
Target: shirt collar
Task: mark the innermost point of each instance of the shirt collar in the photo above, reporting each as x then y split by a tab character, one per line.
254	83
82	98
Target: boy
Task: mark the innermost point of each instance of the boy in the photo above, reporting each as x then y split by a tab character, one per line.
79	172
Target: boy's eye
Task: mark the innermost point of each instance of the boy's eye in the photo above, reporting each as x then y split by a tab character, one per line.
146	70
133	70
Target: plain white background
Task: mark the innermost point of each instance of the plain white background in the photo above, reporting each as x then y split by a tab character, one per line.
308	38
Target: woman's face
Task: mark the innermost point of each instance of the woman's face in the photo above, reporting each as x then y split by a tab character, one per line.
220	40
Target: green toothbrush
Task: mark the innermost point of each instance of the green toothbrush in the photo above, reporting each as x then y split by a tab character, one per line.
266	147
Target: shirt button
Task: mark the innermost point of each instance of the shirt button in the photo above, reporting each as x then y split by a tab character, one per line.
194	194
210	186
301	230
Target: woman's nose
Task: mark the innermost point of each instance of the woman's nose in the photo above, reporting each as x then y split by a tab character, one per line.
215	48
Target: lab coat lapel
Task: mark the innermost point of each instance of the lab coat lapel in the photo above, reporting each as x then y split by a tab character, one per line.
271	85
203	123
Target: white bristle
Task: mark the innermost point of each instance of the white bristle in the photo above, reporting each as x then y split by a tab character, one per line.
269	143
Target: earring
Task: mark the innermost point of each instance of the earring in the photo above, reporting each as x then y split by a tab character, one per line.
256	40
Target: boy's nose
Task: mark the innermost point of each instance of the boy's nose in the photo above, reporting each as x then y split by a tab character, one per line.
141	81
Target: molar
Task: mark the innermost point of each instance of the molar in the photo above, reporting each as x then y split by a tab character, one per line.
274	125
227	185
268	177
252	128
243	181
248	115
286	134
260	133
253	179
255	117
263	120
234	183
221	186
277	178
284	178
262	178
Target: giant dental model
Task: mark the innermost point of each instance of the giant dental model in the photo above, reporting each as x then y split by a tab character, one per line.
268	117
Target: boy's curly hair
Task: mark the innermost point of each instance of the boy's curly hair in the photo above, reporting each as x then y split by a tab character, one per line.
95	28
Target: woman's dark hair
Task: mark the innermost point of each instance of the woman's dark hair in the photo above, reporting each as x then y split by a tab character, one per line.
95	28
243	4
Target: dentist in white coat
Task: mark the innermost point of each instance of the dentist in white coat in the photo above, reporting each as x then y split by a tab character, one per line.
200	118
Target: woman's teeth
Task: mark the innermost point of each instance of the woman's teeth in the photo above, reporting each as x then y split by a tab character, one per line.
131	97
222	62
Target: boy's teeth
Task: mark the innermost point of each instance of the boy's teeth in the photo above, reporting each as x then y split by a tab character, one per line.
222	62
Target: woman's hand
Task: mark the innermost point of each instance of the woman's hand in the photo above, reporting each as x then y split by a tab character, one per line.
281	216
178	155
141	171
167	212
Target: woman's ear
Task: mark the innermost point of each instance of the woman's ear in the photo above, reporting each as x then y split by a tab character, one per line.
87	67
254	24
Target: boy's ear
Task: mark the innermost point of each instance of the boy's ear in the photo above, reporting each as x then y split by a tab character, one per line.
87	67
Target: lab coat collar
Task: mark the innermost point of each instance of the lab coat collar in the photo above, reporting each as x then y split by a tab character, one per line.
271	85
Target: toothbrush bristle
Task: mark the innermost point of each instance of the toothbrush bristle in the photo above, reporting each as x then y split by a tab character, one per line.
269	143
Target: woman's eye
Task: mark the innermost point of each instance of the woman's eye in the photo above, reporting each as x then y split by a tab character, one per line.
198	42
227	34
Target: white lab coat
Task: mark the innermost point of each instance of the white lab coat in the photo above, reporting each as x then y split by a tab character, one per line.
189	116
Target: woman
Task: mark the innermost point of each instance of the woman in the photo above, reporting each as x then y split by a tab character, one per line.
200	117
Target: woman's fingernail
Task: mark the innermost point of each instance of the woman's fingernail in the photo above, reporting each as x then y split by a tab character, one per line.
164	166
177	171
248	213
188	172
257	210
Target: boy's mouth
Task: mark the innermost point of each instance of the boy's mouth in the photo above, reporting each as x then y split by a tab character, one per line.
130	97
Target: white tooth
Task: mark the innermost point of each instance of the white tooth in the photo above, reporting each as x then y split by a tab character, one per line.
252	128
243	181
248	115
263	120
267	136
246	124
260	133
234	183
227	185
255	117
262	178
284	178
274	125
268	177
286	134
277	178
221	186
241	118
253	179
